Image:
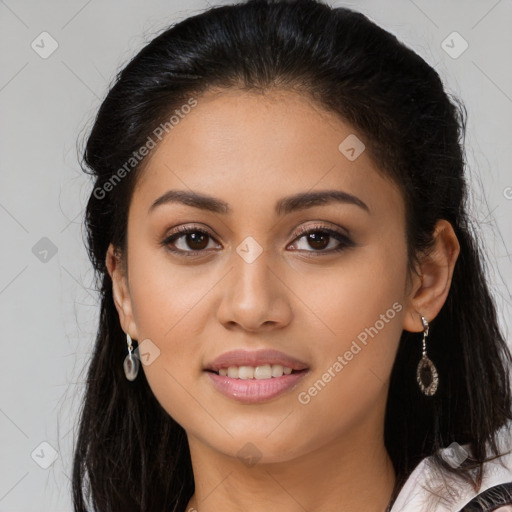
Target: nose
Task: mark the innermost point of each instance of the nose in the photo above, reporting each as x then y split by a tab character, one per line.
255	296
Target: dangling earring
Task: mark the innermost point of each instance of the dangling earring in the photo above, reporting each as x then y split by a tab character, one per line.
131	363
426	373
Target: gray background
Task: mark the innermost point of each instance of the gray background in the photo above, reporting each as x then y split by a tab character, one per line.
47	303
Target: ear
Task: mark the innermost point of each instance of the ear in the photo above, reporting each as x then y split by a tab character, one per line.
431	283
120	291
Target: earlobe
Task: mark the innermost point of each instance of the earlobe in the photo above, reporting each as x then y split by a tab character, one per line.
429	294
120	291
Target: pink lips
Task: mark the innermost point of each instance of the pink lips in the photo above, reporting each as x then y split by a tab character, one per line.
255	358
251	391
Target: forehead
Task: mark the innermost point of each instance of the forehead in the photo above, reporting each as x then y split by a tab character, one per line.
255	147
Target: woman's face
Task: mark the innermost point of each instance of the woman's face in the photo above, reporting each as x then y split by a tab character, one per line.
334	300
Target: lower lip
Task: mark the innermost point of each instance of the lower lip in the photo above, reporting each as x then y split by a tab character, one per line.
250	391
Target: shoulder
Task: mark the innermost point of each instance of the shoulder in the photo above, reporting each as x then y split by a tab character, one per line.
428	489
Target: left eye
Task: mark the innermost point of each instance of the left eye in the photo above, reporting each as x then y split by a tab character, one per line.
320	238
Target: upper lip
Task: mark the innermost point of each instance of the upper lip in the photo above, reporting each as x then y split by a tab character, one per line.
255	358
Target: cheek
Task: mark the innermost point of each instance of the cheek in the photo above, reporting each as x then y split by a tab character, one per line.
164	298
363	289
172	305
165	294
359	308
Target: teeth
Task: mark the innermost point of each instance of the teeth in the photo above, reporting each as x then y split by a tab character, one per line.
265	371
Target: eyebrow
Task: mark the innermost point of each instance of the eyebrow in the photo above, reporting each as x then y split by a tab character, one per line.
284	206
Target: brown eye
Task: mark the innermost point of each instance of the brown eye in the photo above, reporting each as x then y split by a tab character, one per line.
322	240
188	240
196	240
318	241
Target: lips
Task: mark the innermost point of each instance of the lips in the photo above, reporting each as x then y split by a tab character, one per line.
255	358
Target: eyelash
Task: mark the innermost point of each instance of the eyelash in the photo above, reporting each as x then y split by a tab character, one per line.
180	231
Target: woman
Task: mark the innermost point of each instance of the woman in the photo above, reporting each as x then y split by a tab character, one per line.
279	228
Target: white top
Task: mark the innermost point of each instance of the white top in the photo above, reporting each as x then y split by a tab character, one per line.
428	490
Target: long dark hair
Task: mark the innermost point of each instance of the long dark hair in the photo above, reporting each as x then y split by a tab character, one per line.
130	455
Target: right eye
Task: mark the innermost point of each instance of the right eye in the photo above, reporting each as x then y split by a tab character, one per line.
193	238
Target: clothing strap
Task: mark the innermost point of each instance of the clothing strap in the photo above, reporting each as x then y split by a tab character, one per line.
490	499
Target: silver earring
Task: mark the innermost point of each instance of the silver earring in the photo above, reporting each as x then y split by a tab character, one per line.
426	372
131	362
